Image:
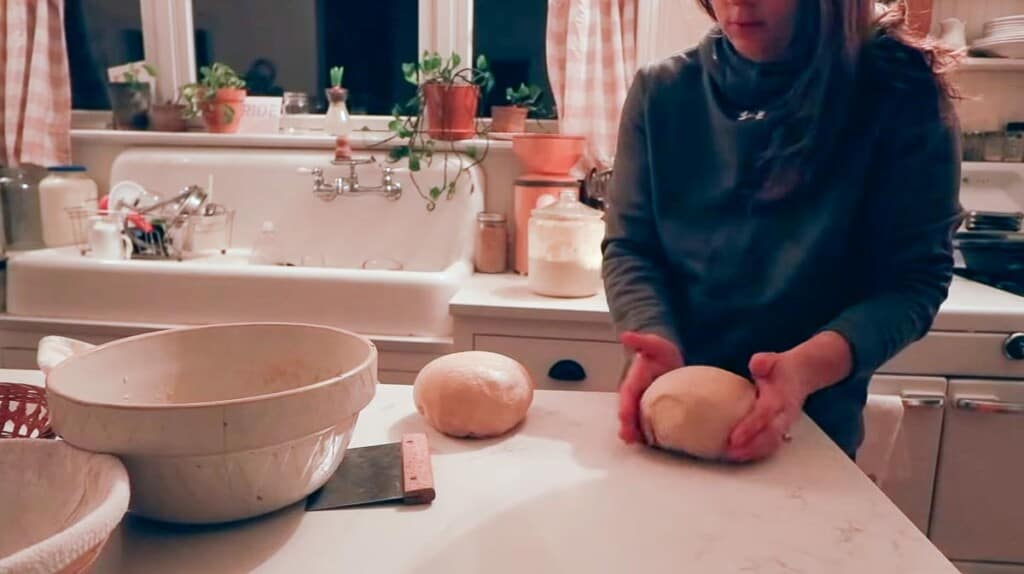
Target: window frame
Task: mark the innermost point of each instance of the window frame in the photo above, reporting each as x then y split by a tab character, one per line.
445	26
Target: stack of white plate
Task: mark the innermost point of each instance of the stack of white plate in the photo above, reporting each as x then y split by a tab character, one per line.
1003	37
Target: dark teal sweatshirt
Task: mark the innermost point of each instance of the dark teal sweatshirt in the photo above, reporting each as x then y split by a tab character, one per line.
697	252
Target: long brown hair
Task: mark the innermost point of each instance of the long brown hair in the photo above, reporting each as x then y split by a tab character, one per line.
843	30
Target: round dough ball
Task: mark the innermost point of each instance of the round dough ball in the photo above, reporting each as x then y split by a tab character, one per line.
473	394
693	409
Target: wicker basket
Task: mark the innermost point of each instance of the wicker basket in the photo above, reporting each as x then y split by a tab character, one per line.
23	412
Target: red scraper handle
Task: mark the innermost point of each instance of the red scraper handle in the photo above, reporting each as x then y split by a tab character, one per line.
417	475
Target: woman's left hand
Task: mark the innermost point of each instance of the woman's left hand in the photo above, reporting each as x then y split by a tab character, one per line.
782	387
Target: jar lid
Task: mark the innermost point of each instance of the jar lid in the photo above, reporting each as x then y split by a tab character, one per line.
568	207
67	168
489	217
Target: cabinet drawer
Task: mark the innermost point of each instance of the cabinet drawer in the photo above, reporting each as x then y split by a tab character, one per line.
600	363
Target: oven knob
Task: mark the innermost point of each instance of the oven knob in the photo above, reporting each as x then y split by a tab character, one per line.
1013	347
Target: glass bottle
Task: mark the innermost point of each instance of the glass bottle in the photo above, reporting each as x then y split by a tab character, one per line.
293	105
337	123
491	255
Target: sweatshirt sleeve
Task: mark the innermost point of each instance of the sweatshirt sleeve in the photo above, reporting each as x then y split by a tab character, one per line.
915	207
634	259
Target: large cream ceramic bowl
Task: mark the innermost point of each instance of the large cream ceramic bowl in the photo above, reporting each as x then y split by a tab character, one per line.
216	423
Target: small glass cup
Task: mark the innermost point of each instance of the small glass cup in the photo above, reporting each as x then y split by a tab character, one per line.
293	104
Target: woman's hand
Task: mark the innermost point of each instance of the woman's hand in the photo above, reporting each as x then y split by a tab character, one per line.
781	392
653	356
784	381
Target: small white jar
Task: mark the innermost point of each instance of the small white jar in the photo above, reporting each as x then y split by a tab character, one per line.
65	187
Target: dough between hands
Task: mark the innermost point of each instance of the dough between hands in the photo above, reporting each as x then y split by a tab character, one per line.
694	409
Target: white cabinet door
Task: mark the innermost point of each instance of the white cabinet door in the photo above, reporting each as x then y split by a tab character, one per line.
978	514
915	453
552	362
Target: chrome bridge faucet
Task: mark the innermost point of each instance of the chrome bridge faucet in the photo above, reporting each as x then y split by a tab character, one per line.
348	185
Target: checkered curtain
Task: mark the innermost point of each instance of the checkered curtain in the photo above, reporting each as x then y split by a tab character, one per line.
35	95
591	58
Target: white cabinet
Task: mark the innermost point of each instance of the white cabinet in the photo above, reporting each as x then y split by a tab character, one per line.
978	511
915	453
561	364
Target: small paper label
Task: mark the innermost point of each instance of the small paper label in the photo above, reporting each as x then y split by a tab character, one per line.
262	115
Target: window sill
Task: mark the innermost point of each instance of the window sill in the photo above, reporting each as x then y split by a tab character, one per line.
360	140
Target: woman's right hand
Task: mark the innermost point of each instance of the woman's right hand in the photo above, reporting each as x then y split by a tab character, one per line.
653	356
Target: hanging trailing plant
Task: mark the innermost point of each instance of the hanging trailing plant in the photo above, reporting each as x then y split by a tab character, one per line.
420	143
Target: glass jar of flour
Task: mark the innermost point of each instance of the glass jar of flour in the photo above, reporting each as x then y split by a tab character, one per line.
564	248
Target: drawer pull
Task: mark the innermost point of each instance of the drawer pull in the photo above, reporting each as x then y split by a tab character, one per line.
988	406
922	401
567	370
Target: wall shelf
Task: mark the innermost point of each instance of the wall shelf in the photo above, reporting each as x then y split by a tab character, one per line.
991	65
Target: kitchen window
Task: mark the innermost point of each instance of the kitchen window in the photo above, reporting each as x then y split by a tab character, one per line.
512	36
290	46
281	47
99	34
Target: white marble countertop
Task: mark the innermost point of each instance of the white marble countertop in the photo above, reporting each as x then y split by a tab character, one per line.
562	494
970	306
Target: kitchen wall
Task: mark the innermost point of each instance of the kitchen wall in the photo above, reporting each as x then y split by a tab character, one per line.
991	99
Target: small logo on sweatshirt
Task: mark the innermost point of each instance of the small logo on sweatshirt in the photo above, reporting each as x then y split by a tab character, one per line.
749	115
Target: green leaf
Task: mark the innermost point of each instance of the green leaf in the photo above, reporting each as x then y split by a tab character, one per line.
337	72
414	162
456	59
405	132
451	190
481	62
150	69
471	152
435	192
395	125
410	71
398	153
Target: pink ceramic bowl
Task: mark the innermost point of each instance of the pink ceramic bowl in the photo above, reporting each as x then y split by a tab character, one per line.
550	154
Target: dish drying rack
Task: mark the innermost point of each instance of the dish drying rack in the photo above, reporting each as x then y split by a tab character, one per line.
163	230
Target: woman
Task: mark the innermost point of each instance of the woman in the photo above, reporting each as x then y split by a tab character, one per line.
782	207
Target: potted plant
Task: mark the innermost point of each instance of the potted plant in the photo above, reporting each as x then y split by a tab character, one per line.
512	118
130	98
219	96
168	116
427	125
449	92
336	120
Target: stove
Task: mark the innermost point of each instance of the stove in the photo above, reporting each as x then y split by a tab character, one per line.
1011	284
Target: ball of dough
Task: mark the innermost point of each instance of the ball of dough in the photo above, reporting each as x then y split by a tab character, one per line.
693	409
473	394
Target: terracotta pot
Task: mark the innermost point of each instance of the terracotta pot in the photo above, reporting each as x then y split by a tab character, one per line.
218	119
508	119
130	104
167	118
451	110
553	154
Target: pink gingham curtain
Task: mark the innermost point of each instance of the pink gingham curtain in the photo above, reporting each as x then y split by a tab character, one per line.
591	58
36	91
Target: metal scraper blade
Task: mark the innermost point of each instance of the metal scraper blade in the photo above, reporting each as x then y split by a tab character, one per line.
366	475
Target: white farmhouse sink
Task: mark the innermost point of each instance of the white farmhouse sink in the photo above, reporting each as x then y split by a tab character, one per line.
433	247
